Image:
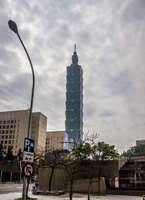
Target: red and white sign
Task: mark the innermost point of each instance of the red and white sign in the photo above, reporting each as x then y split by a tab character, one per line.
28	169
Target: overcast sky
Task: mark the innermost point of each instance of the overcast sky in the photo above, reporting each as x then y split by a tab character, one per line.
110	38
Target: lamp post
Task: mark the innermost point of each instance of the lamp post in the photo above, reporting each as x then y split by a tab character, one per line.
13	26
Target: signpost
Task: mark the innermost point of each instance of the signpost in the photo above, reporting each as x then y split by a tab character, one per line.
28	158
28	170
28	155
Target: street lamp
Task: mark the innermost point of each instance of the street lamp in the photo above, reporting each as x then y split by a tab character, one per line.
13	27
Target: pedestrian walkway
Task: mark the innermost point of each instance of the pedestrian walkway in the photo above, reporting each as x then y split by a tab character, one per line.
13	196
12	191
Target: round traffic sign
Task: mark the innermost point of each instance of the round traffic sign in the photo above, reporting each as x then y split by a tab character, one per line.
28	169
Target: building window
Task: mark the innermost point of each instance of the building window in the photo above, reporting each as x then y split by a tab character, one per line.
12	121
6	142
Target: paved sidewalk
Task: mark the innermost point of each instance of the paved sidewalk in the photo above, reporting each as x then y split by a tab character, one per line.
12	196
13	191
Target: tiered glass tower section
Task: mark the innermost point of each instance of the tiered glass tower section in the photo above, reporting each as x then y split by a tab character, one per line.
74	101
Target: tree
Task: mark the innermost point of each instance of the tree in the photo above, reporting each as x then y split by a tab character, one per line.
9	154
71	166
53	159
138	150
102	151
81	152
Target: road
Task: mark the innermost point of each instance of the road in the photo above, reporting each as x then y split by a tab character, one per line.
13	191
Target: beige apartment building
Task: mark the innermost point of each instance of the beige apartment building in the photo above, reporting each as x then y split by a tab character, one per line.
56	140
14	128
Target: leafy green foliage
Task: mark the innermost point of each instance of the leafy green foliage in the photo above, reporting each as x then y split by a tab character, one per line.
103	151
81	152
138	150
99	151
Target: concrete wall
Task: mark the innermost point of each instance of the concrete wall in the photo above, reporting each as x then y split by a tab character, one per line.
82	185
107	169
61	182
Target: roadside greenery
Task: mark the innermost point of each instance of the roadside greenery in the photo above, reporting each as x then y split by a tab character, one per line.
138	150
98	151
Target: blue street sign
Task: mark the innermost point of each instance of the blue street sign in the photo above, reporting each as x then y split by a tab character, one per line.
29	145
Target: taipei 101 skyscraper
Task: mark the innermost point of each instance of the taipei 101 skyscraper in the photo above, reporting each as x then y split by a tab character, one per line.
74	101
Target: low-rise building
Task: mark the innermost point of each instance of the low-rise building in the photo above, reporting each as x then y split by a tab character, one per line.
140	142
56	140
14	128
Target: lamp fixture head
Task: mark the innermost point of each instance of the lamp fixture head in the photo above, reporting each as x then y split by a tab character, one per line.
13	26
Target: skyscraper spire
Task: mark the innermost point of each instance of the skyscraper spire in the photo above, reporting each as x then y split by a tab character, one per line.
75	48
74	56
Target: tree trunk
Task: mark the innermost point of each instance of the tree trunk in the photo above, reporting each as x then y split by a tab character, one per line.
99	179
89	192
89	188
71	190
99	185
50	179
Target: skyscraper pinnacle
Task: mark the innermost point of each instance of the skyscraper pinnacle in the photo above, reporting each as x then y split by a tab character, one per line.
75	48
75	56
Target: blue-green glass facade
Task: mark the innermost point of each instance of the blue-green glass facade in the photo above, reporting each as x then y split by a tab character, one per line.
74	101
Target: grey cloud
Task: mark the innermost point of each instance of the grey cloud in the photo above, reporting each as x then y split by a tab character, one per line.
107	114
122	84
16	90
109	36
134	11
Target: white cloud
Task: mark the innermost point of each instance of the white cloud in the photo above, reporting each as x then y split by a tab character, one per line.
110	42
